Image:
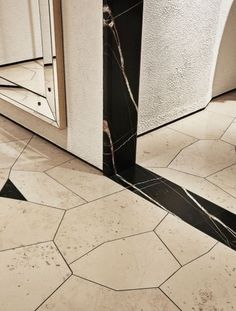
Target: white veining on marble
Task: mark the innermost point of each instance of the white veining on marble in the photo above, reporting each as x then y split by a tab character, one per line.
110	23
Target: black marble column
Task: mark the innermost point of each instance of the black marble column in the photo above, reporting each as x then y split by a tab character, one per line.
122	26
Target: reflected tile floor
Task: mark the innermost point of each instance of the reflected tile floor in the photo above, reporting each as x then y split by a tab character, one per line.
72	239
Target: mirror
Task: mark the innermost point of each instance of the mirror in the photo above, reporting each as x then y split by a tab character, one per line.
31	58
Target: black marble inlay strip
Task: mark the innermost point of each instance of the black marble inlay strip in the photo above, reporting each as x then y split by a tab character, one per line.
10	191
122	29
191	208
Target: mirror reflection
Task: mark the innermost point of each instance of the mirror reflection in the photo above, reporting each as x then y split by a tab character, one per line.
28	60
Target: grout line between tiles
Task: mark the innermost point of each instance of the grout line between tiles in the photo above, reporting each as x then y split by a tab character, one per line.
181	151
110	241
23	246
168	249
58	227
170	299
191	261
206	177
59	251
65	187
161	221
90	281
37	308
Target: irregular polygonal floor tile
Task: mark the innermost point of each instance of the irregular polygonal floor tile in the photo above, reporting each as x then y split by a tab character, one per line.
205	157
141	261
10	131
84	180
10	151
24	223
183	240
199	186
29	275
40	155
39	188
79	295
226	180
230	134
109	218
224	104
160	147
3	177
203	125
208	283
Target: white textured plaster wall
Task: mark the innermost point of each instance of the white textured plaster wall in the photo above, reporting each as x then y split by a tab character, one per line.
181	41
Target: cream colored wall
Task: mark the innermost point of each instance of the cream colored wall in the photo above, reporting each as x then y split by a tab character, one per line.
82	27
181	41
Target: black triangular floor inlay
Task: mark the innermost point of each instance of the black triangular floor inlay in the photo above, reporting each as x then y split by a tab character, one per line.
10	191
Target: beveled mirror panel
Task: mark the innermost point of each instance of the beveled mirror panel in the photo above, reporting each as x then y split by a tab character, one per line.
31	58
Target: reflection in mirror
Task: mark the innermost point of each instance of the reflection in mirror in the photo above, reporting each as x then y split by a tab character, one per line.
30	55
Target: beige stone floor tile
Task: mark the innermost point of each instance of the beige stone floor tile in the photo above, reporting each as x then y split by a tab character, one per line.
3	177
116	216
205	157
80	295
208	283
40	155
226	179
86	181
10	151
230	134
200	186
184	241
157	149
10	131
37	187
224	105
29	275
24	223
203	125
141	261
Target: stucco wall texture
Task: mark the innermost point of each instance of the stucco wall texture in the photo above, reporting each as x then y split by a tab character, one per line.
189	56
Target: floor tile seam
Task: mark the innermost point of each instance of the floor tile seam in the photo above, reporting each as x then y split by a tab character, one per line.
60	183
14	140
24	246
62	256
59	225
188	263
170	299
182	149
211	182
23	149
227	128
228	166
167	214
114	289
61	164
52	293
98	199
169	250
111	241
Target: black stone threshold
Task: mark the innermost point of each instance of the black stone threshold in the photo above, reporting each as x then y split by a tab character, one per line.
200	213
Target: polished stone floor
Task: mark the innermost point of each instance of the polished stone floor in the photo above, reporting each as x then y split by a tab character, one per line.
74	240
197	152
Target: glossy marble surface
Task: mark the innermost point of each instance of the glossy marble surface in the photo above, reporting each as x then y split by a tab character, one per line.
117	252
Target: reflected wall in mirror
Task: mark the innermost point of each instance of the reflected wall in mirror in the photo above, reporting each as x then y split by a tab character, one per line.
31	58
